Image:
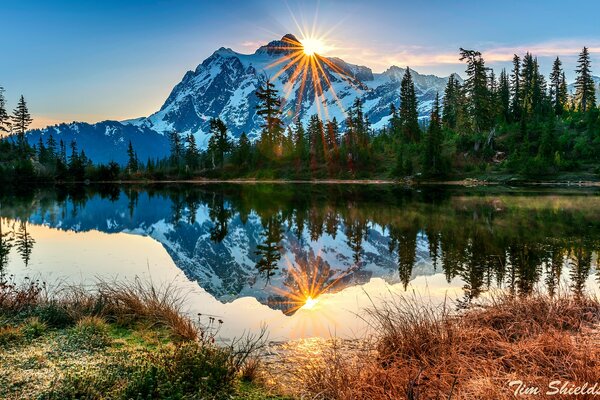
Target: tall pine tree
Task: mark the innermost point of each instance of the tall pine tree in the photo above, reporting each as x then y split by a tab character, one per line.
515	85
219	143
504	96
21	119
433	145
409	115
269	108
585	94
556	87
4	117
477	91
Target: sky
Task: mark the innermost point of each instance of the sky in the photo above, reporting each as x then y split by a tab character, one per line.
95	60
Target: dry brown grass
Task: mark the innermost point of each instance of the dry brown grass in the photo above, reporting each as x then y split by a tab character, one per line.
424	352
122	303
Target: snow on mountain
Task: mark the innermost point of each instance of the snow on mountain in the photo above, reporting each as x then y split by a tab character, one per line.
224	85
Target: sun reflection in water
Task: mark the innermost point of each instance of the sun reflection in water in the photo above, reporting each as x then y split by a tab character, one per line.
310	303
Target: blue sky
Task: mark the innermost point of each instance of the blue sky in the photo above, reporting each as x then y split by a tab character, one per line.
94	60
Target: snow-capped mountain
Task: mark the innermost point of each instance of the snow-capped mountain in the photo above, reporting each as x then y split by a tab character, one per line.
224	85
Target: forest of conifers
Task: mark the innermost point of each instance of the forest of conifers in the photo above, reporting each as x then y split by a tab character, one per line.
514	125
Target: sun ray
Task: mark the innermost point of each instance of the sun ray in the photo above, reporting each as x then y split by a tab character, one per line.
303	58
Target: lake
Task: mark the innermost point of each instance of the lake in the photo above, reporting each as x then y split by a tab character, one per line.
305	259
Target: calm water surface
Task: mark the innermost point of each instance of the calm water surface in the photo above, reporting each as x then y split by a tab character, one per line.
305	259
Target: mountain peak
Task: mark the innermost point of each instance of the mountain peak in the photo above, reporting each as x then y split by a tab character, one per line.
287	44
290	38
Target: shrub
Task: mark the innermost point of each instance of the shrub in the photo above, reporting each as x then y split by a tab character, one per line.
10	335
33	328
90	333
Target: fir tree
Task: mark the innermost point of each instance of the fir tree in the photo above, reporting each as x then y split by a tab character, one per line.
176	148
269	108
269	251
476	89
242	152
556	87
504	95
4	117
585	94
219	143
433	145
132	161
300	143
451	102
51	147
395	122
409	115
21	119
563	92
316	139
192	155
24	243
333	140
515	85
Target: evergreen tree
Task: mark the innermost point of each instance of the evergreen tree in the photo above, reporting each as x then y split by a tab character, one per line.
556	87
433	146
21	119
452	105
515	85
242	151
563	92
395	122
132	161
269	108
51	147
176	148
585	94
4	117
192	155
24	243
533	87
219	144
409	115
269	251
504	96
316	139
300	143
333	140
41	151
476	89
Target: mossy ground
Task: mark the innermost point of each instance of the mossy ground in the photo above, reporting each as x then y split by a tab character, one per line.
92	363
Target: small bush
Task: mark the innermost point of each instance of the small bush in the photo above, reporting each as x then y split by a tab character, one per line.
90	333
10	335
34	328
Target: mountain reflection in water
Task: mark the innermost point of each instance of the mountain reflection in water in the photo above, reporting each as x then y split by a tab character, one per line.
287	245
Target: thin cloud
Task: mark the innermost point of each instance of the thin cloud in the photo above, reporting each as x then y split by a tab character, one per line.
418	56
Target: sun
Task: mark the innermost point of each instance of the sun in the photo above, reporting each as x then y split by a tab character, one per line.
312	46
310	303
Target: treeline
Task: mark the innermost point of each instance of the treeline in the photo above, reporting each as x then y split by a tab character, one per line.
516	123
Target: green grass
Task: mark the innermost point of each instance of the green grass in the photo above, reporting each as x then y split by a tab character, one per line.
125	342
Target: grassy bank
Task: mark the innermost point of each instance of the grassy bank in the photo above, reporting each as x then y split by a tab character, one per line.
116	341
421	352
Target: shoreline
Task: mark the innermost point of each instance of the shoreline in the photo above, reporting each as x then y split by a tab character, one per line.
468	182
